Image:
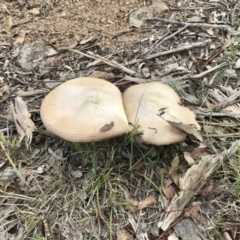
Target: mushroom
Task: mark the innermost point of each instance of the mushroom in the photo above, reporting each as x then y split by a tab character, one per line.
84	110
149	105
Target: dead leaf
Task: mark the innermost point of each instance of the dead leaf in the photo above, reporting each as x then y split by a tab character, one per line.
190	129
22	120
228	41
210	31
193	212
140	165
168	191
4	93
148	201
107	127
189	158
203	62
173	171
161	172
133	202
200	149
124	235
103	75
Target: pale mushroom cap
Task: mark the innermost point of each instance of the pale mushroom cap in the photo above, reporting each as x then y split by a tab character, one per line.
142	103
84	110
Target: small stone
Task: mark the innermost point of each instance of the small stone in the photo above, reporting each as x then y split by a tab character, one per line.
35	11
33	54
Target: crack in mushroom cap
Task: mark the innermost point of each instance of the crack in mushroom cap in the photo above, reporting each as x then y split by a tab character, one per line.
143	103
84	110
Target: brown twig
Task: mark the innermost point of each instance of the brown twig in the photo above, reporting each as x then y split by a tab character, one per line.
21	23
203	74
207	25
123	32
215	114
161	41
178	50
110	63
178	80
219	124
222	135
172	51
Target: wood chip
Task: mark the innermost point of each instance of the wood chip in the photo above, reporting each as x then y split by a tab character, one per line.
193	181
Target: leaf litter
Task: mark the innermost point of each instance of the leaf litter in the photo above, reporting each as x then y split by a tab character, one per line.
21	116
80	188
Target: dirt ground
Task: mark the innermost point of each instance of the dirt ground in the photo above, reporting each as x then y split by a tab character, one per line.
63	23
123	188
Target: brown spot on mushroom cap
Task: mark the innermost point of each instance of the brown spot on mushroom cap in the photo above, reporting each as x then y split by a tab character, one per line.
78	109
143	104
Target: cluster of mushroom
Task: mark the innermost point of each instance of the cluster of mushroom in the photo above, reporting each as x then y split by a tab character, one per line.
90	109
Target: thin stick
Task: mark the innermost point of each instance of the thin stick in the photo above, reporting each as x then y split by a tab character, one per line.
218	124
175	50
164	40
21	23
203	74
112	64
207	25
222	135
123	32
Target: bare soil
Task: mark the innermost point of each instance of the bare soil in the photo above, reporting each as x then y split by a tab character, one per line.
63	23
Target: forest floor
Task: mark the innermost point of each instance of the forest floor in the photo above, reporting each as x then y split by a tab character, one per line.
120	188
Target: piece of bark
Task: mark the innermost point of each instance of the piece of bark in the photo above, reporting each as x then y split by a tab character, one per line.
192	182
187	229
